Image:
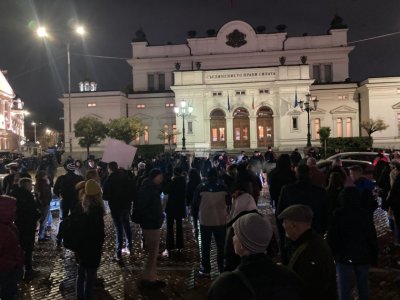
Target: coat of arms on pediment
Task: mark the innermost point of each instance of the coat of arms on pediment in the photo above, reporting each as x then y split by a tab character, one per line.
236	39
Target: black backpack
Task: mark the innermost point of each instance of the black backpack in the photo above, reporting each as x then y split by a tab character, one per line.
70	229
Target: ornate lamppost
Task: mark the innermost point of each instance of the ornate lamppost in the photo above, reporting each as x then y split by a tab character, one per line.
308	106
184	110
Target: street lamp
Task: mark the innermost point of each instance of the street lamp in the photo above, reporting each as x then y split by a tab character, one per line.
34	129
183	111
309	107
81	31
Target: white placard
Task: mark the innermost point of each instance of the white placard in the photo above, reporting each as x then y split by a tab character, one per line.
119	152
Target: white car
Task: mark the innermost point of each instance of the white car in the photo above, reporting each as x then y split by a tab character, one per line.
365	156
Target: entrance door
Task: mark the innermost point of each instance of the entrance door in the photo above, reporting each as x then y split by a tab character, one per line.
265	127
218	129
241	128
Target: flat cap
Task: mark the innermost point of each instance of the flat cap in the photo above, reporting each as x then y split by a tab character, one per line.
298	213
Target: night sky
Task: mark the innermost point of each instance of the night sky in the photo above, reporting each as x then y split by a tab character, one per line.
38	71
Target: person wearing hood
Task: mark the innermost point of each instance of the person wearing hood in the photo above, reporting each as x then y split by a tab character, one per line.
11	253
175	210
353	240
148	205
257	277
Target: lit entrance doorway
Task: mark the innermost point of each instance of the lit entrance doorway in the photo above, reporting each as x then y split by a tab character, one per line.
218	129
265	127
241	128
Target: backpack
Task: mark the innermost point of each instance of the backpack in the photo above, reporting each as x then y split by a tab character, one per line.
70	230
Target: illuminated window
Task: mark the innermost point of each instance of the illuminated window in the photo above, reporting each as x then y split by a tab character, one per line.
91	105
349	129
242	92
245	133
216	94
169	104
339	127
214	134
317	127
342	97
261	132
137	140
237	134
146	135
222	134
166	129
175	133
140	106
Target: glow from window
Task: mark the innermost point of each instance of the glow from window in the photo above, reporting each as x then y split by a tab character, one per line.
140	106
339	127
92	105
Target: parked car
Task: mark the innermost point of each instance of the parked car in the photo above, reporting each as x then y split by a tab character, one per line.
368	168
365	156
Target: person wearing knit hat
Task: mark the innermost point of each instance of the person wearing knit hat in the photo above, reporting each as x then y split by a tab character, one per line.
309	255
91	238
257	276
11	254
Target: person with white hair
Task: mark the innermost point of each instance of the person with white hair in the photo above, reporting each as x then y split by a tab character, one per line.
257	277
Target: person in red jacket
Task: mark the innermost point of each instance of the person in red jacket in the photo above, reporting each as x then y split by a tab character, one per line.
11	254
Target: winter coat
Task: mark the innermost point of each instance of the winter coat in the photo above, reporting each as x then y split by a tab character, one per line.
27	216
176	191
116	190
91	237
352	236
311	258
268	280
277	179
149	205
303	192
11	253
65	188
43	193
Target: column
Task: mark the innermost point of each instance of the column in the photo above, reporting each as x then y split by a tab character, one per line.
253	132
229	133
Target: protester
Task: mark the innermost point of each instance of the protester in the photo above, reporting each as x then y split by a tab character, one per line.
295	157
317	177
211	201
43	198
309	255
11	254
175	210
28	214
91	239
354	244
10	182
365	186
257	277
116	191
151	219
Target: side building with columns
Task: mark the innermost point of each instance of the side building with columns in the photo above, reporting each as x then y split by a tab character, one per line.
242	86
12	131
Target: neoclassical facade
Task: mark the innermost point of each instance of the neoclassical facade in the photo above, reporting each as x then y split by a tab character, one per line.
11	117
242	86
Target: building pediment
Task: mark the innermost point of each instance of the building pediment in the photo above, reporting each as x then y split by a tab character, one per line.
142	116
294	112
344	109
166	116
396	106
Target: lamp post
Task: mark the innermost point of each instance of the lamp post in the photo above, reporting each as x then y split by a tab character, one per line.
309	107
79	30
34	130
183	111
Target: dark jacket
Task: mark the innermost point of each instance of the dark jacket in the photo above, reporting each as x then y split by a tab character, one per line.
277	179
312	260
65	188
176	191
116	191
352	236
27	216
149	205
91	237
43	193
268	280
303	192
366	186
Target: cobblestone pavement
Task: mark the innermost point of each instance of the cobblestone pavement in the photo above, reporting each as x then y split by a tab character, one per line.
121	280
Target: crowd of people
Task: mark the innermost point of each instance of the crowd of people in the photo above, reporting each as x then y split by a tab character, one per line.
325	233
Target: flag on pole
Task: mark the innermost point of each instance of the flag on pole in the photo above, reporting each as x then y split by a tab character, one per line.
229	105
295	99
252	103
